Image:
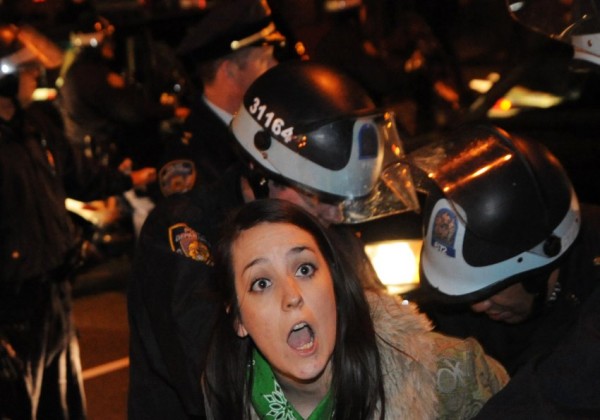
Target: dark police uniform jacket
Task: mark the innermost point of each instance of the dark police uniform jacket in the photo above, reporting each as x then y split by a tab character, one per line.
169	305
206	141
36	232
170	298
38	246
562	381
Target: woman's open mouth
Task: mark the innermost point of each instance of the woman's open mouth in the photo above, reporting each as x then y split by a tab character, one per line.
302	337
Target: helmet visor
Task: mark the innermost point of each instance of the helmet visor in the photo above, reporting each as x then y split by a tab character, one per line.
355	161
373	179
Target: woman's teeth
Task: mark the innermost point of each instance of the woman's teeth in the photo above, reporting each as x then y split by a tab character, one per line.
301	337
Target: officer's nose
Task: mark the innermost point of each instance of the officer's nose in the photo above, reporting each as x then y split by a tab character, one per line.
482	306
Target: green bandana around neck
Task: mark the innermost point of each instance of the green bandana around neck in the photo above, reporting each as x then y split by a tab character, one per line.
269	401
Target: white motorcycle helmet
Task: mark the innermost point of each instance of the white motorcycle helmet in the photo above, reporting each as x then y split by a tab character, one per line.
502	211
307	125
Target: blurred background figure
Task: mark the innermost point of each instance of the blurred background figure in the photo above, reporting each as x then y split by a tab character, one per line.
346	45
227	50
106	119
40	367
390	48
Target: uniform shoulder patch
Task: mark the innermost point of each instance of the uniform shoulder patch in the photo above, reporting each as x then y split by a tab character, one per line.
186	241
177	176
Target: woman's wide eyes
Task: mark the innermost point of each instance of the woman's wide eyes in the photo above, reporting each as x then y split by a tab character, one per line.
260	284
305	270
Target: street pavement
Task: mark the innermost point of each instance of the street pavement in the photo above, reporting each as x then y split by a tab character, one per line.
100	314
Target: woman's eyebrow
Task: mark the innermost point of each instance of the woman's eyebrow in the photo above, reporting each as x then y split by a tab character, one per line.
293	251
302	248
253	263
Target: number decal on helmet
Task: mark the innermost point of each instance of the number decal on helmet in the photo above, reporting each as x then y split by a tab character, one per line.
270	121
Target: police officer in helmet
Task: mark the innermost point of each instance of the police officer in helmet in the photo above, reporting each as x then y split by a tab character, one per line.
510	257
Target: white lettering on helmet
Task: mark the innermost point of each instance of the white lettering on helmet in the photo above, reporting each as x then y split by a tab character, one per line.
270	121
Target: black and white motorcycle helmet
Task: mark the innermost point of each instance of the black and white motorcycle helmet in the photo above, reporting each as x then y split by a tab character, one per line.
309	126
502	210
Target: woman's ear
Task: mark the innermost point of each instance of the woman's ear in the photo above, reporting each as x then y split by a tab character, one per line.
240	329
238	326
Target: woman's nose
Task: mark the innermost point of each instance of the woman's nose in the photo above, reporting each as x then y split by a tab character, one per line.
292	296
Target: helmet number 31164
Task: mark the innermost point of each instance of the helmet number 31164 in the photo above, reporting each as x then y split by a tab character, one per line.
270	121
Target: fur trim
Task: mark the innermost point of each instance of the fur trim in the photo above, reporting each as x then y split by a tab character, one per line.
407	357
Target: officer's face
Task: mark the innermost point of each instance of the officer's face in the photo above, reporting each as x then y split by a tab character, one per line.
511	305
286	299
259	60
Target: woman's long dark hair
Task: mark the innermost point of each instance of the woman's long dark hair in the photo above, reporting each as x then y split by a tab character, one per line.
357	378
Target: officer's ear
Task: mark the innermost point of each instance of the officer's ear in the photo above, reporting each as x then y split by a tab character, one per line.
229	68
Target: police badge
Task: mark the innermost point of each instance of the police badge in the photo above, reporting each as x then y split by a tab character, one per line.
177	176
186	241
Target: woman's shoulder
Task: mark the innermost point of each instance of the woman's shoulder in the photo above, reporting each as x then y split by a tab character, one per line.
398	314
454	375
466	377
407	360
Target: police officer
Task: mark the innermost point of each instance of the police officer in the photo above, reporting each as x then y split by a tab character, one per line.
40	371
107	119
96	104
306	134
515	256
229	48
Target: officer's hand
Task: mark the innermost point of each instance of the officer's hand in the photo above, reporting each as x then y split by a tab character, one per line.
126	166
143	177
115	80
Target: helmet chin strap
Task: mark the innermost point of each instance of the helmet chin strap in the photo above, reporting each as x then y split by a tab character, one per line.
539	286
258	183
